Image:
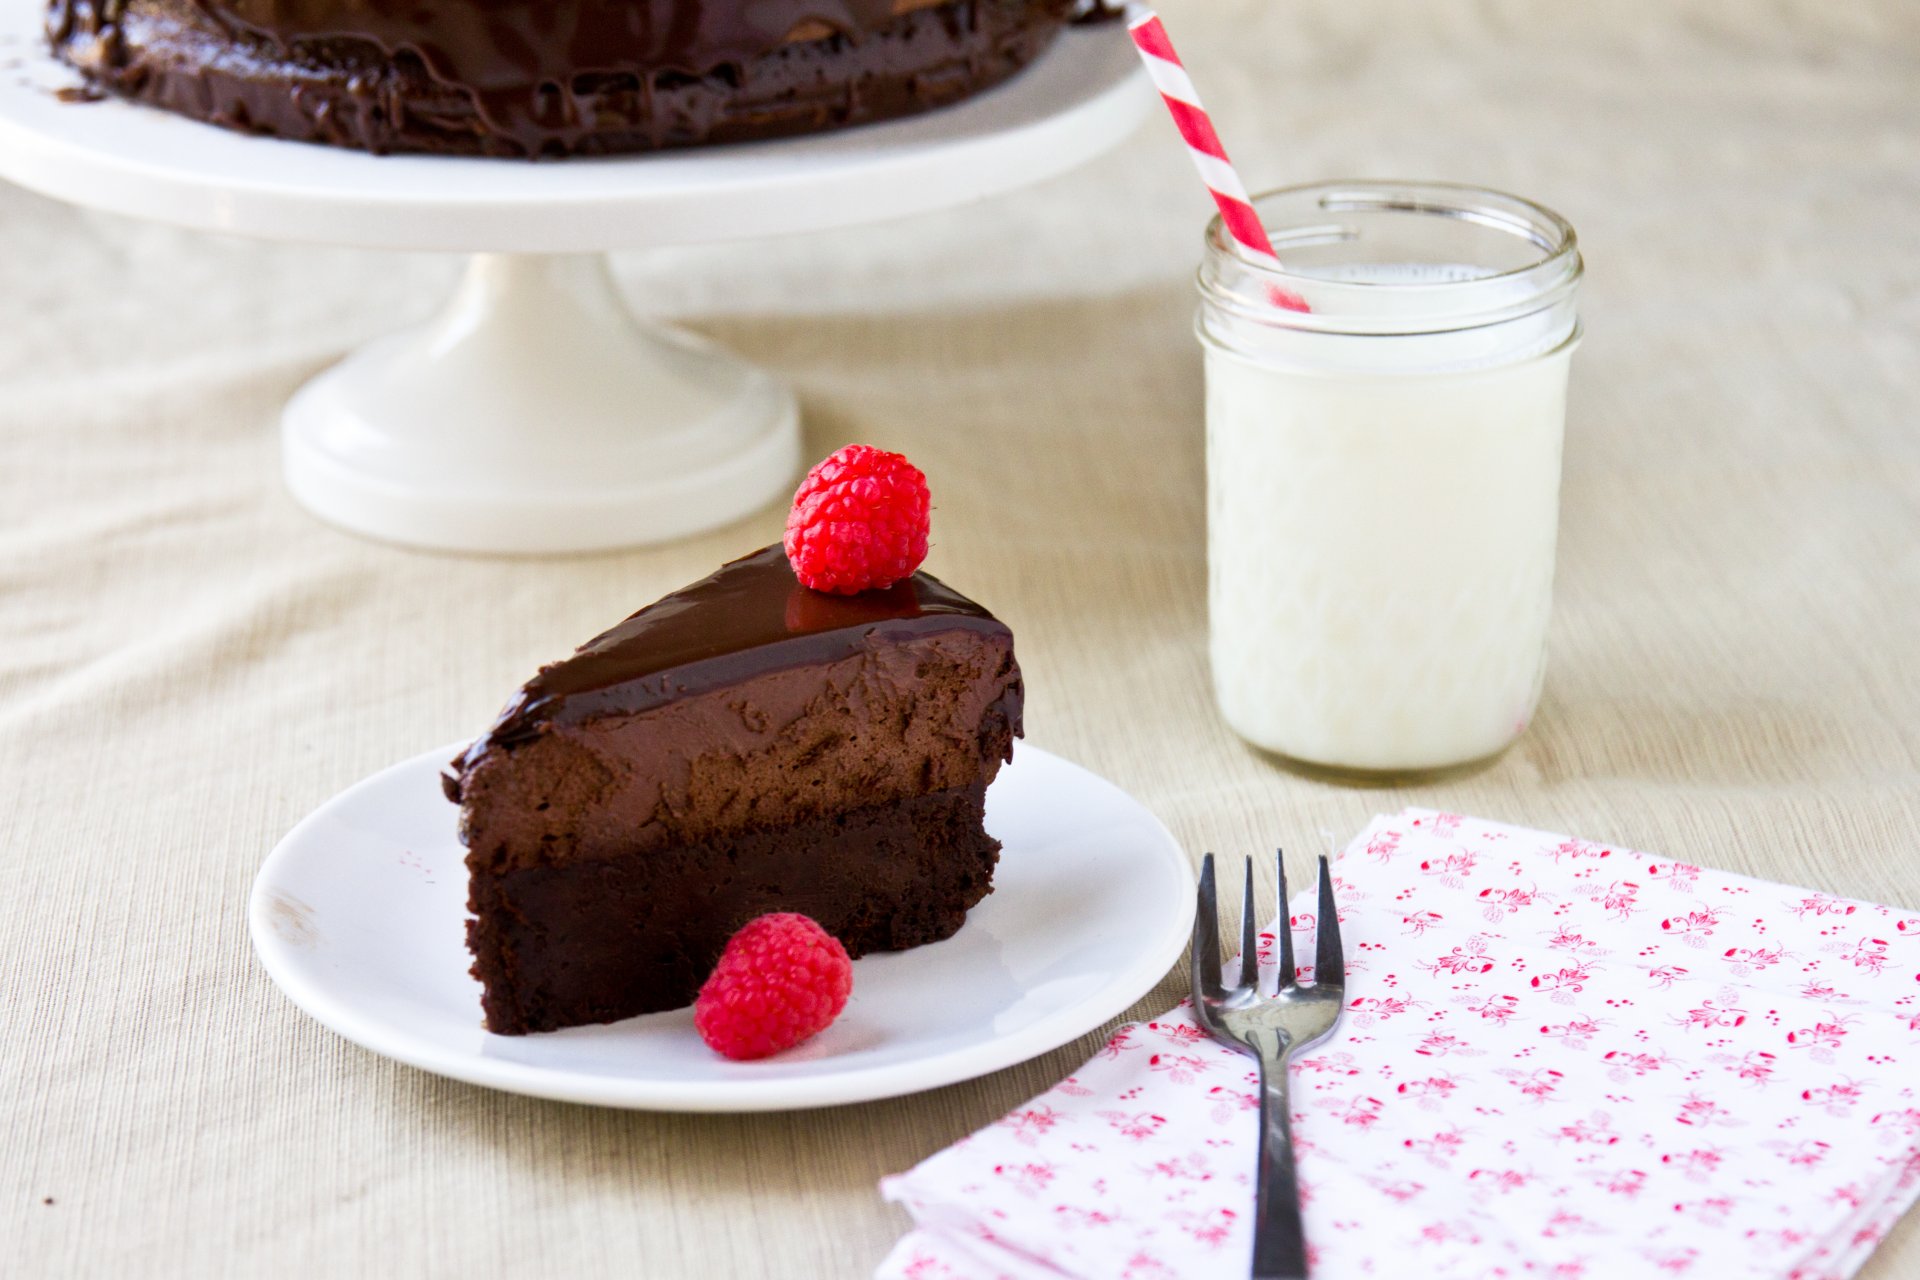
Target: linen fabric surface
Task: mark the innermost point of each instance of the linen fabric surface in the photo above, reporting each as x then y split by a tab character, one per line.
189	664
1558	1058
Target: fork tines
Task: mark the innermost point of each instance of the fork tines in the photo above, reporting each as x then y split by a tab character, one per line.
1329	960
1206	937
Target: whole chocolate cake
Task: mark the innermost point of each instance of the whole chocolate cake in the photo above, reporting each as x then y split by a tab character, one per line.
547	77
744	745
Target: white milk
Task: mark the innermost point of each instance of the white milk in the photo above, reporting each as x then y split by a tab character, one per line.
1382	511
1380	557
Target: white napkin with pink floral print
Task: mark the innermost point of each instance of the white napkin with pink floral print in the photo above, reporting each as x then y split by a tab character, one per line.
1559	1059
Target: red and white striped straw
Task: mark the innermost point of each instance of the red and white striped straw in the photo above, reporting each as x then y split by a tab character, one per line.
1237	214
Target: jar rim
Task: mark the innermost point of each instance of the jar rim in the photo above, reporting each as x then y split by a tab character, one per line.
1243	285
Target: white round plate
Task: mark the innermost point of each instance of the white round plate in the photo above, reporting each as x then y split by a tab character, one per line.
359	915
1079	98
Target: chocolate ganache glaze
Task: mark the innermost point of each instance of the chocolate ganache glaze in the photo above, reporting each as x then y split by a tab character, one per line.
493	44
495	49
547	77
750	617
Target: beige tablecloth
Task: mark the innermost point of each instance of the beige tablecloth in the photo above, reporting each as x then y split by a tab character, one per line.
188	663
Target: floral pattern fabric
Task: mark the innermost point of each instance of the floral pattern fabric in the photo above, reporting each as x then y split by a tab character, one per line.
1559	1059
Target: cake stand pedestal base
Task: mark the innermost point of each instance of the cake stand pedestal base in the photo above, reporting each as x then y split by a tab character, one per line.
535	414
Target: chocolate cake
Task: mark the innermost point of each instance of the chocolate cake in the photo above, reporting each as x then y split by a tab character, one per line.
744	745
547	77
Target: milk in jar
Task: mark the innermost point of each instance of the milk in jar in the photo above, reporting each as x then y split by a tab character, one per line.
1383	472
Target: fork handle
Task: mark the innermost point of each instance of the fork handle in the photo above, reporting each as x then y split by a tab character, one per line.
1279	1240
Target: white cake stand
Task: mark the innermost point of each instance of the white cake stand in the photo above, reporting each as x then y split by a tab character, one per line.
535	414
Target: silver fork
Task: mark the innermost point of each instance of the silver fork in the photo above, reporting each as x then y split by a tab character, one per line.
1273	1028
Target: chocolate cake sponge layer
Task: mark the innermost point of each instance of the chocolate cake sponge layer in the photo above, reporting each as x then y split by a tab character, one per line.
562	946
905	716
354	91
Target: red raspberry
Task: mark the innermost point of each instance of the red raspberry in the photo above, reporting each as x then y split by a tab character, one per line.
781	980
858	522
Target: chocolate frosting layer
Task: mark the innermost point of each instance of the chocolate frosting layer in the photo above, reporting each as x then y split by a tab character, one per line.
546	77
748	618
490	43
496	49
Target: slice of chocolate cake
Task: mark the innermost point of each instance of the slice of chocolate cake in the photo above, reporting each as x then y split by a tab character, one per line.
745	745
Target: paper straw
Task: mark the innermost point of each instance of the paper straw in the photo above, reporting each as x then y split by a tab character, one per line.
1237	213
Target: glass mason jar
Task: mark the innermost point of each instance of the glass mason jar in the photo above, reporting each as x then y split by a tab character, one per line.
1383	472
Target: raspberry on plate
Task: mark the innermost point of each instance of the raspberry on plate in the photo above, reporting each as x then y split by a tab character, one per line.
859	521
782	979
